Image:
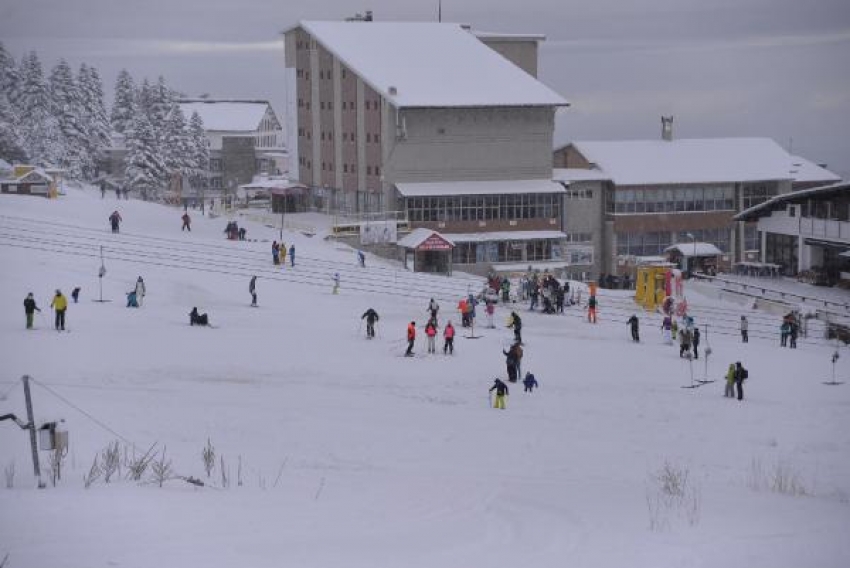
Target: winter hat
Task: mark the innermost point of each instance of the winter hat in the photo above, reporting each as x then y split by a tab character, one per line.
58	291
29	295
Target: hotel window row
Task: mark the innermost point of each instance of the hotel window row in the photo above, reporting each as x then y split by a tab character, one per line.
685	199
483	207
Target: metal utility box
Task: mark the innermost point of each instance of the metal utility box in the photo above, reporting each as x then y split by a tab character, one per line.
49	438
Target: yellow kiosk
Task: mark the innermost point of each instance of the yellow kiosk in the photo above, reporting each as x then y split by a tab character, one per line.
650	289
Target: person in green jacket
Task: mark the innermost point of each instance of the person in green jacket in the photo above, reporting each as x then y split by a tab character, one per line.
730	382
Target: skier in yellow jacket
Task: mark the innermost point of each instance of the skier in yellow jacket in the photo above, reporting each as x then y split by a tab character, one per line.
59	304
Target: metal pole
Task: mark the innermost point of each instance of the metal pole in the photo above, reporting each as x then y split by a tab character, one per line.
31	426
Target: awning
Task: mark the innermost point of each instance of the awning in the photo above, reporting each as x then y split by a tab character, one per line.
695	249
842	246
426	239
505	236
501	187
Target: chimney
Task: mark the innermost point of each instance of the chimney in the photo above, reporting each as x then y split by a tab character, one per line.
667	128
368	17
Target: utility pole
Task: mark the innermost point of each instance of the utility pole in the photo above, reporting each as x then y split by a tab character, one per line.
31	426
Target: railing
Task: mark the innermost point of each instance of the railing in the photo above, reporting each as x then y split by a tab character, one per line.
781	295
825	228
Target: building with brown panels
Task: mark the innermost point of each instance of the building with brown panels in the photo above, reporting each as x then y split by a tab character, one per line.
450	129
660	192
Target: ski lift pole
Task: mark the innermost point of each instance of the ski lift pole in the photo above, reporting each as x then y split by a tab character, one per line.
31	426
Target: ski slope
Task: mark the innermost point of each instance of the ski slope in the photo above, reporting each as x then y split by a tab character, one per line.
355	456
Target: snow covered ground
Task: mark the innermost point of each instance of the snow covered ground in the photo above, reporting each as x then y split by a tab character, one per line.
352	455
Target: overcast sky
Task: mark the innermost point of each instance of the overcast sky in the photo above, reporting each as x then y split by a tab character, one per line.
776	68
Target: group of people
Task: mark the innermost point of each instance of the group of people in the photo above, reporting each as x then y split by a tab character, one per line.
431	332
233	231
279	254
788	331
59	305
735	377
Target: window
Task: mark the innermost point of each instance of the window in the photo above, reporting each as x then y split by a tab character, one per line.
368	170
368	137
377	171
345	168
377	138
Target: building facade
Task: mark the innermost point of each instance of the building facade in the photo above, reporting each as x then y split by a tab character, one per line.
806	230
426	119
657	193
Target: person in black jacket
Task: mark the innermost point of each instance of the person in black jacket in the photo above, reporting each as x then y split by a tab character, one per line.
501	392
741	375
252	289
198	319
371	316
512	362
29	309
635	326
516	324
695	342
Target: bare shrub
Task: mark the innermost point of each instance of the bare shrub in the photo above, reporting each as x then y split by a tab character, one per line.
785	479
9	474
110	461
668	491
239	473
136	466
209	457
225	477
161	469
756	477
94	473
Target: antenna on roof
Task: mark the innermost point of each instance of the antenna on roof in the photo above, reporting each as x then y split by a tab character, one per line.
439	10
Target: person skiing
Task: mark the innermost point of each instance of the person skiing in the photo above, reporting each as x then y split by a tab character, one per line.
132	299
187	222
59	305
530	382
634	323
511	362
252	289
361	259
464	314
729	391
515	322
198	319
591	309
745	326
501	392
431	333
30	308
114	220
275	253
242	232
140	291
336	283
292	255
283	251
741	374
684	341
449	339
433	308
667	330
371	316
792	335
75	294
695	342
784	332
489	309
411	338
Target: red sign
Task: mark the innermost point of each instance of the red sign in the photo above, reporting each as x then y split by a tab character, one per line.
435	242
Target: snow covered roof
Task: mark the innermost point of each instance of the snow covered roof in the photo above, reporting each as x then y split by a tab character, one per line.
431	189
227	116
4	165
419	236
803	170
430	64
695	249
780	201
578	174
271	183
508	37
697	160
505	236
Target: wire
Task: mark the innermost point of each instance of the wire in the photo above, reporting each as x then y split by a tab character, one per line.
9	391
84	413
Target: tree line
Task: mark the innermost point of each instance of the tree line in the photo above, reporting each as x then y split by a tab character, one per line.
61	120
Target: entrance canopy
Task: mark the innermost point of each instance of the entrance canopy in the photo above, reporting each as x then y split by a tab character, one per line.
426	240
695	249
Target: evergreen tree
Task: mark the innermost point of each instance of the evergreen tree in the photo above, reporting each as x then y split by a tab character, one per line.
199	151
124	105
94	120
144	99
66	105
145	171
8	75
177	149
161	103
11	144
40	131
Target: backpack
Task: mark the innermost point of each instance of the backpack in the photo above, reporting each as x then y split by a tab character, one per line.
744	374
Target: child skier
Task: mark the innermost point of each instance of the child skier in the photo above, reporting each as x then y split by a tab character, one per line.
336	283
187	222
292	255
431	333
530	382
132	299
75	294
449	339
745	326
501	392
275	253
